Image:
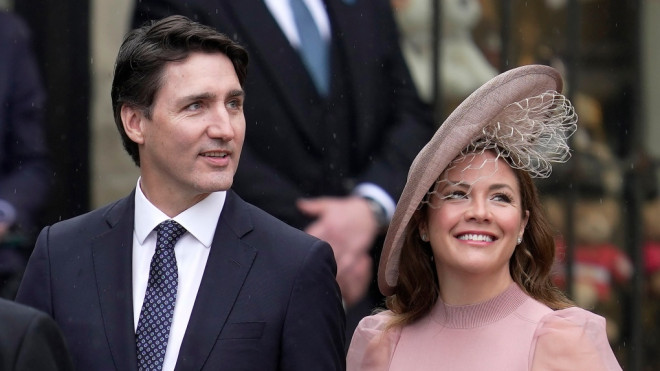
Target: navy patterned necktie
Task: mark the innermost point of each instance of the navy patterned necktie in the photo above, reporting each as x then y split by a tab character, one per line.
155	321
313	49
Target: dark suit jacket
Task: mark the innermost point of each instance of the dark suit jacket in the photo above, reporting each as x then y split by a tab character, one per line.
290	150
23	154
30	340
268	299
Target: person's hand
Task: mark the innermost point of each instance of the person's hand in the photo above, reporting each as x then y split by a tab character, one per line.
354	280
349	226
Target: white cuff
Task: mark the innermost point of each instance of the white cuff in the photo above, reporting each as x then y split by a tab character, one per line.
377	194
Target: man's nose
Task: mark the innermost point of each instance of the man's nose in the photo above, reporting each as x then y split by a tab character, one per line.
219	125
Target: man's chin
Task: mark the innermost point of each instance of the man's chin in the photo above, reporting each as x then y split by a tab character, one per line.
216	185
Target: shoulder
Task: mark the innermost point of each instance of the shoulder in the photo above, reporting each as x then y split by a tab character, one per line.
574	315
13	312
31	339
377	321
533	310
102	217
373	343
18	320
266	227
571	324
283	247
573	338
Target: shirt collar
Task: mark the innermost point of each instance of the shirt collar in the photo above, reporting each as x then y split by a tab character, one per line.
200	220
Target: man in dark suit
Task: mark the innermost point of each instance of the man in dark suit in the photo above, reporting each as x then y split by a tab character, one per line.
23	154
30	340
229	286
330	159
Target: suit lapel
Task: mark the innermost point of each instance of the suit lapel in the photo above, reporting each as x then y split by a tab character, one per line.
281	62
227	267
112	257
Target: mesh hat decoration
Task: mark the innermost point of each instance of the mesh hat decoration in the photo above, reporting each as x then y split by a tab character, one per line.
518	114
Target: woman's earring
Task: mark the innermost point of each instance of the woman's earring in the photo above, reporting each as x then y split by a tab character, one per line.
424	237
519	241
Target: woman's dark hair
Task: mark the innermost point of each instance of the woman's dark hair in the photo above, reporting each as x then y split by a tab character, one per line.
145	52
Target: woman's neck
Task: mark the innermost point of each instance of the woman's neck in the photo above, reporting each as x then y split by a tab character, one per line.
467	289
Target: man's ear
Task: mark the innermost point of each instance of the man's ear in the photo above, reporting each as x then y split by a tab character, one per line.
133	120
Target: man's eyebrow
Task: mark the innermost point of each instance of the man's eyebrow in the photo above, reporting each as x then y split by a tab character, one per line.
196	97
236	93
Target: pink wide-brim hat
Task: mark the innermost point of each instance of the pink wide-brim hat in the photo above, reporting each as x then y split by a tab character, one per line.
463	125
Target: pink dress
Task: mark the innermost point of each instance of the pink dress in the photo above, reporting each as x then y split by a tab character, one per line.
509	332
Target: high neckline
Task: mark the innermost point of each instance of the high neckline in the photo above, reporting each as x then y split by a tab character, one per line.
480	314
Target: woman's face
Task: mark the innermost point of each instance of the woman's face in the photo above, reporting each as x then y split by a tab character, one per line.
475	218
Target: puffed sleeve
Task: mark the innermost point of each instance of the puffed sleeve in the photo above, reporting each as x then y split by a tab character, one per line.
373	344
572	339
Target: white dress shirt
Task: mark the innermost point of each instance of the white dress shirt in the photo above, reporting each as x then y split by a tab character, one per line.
282	13
191	251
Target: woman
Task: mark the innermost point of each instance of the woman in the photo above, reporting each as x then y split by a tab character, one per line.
467	257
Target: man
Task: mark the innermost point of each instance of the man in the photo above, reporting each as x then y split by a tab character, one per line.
30	340
328	154
241	290
24	165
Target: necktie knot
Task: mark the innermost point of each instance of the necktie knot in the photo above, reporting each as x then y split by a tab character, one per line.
168	233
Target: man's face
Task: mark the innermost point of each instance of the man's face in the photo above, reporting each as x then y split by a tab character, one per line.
192	144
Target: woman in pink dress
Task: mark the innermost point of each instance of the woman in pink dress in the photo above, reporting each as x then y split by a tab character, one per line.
467	257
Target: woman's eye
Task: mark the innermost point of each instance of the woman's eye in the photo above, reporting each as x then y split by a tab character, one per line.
454	195
502	198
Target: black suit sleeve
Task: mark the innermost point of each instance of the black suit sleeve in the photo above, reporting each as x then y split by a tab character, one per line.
313	334
42	347
30	340
35	286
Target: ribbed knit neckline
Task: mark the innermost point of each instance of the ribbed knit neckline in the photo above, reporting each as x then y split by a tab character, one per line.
480	314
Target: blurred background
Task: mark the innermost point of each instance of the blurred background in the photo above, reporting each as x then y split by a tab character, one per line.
604	203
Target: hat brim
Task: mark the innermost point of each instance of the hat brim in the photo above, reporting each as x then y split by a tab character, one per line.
462	126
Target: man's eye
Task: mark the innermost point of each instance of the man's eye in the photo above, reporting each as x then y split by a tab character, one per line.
236	103
194	107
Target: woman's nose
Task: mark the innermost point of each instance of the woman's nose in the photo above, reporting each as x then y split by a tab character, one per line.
478	210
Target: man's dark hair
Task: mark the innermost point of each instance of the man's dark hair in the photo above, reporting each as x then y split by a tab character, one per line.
145	52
